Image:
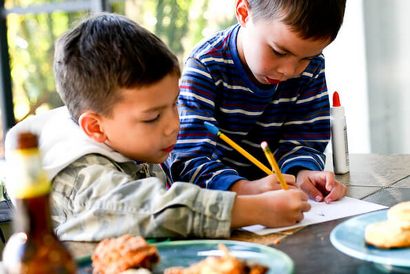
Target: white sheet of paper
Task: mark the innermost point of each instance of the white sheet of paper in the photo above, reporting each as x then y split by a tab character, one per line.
322	212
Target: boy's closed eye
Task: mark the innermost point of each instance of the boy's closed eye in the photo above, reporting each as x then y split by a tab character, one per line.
154	114
282	52
278	53
310	58
152	120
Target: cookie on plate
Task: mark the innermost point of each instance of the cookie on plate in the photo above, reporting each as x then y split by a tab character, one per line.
392	233
400	213
113	256
387	235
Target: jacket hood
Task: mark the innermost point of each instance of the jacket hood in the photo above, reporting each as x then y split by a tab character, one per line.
61	140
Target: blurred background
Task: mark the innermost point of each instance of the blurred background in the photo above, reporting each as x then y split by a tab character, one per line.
367	63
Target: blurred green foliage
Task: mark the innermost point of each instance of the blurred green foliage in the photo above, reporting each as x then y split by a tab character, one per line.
31	38
180	23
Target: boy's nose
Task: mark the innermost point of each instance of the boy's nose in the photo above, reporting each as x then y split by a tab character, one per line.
172	127
289	70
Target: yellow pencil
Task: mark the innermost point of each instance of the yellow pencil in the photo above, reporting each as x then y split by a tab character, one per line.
274	164
213	129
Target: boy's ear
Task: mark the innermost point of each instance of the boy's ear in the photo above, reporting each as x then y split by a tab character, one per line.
242	11
90	122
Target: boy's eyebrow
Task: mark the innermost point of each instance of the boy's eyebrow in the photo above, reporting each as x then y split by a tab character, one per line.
158	107
291	53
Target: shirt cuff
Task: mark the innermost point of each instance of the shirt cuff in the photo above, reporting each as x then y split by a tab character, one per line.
224	181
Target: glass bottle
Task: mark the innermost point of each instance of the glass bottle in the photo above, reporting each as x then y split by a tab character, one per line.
34	247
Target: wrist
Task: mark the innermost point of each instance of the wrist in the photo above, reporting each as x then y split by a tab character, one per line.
240	211
295	170
241	187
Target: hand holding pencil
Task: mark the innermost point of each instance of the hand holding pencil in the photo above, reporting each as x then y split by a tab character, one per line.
275	169
274	165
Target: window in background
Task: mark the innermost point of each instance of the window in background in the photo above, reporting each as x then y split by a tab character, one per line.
30	29
31	46
34	25
181	24
368	63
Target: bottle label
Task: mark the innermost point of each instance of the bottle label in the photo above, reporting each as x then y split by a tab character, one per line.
346	148
26	176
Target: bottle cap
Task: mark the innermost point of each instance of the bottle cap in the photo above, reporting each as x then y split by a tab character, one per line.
336	99
26	140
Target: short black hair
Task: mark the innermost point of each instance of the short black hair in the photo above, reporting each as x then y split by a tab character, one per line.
103	54
311	19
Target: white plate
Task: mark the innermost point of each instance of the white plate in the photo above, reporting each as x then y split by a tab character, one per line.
185	253
348	237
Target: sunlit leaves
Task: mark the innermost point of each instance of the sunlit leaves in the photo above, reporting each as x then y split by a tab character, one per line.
180	23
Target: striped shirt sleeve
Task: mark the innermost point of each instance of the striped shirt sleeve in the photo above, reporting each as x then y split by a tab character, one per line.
306	133
196	157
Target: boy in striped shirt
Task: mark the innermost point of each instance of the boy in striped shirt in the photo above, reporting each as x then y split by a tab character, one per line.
260	80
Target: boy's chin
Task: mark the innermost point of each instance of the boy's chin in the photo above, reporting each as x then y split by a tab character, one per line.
160	160
152	160
155	161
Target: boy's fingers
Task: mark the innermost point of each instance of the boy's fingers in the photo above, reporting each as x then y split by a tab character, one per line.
330	181
332	196
306	207
299	217
313	192
336	193
290	179
292	186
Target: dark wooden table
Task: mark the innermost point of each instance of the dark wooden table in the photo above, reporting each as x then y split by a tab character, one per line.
375	178
382	179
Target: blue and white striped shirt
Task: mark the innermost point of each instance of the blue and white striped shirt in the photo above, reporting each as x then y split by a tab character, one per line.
293	117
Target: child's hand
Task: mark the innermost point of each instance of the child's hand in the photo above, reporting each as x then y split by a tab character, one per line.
268	183
320	185
272	208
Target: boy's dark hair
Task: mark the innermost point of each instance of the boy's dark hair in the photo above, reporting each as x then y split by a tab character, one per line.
311	19
103	54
